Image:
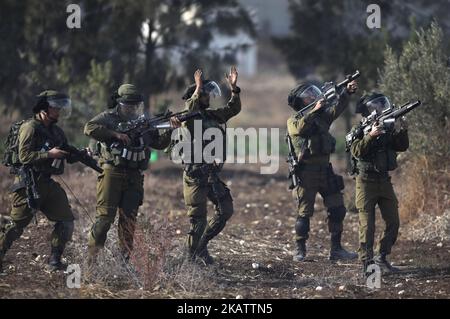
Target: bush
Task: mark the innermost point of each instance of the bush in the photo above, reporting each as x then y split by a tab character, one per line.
421	72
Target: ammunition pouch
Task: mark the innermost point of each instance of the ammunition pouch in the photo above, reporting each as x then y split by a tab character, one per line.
129	157
382	162
335	183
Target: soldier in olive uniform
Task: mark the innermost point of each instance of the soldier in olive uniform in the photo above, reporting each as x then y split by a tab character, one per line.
313	145
200	180
121	185
35	150
374	155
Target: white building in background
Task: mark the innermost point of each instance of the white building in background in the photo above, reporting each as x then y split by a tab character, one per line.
272	19
272	16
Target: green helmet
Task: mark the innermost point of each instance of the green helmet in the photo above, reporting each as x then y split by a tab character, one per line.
129	94
130	102
54	99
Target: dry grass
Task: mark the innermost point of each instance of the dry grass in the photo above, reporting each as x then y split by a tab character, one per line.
424	187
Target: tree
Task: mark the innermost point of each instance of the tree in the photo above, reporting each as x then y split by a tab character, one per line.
422	71
330	38
153	43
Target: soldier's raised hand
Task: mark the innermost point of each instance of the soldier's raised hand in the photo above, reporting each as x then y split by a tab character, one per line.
232	77
198	78
376	130
318	105
352	87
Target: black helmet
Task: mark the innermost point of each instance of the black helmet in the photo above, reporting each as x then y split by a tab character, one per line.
373	102
303	95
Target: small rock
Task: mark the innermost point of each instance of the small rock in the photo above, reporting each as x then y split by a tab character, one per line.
266	205
241	242
239	297
401	292
341	288
319	288
398	285
255	266
178	232
269	266
439	245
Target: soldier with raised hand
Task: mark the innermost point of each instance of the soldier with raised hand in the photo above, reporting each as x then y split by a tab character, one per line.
313	146
200	179
34	159
121	185
374	155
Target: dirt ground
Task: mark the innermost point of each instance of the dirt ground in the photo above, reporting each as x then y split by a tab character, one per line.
252	256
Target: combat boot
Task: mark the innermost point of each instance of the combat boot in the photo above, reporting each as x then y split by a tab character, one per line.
202	252
300	251
385	266
54	261
337	252
205	257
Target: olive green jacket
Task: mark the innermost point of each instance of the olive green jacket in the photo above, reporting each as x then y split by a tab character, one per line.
212	118
378	154
33	135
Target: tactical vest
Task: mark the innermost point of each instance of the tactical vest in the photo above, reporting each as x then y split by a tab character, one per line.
133	156
44	139
318	143
381	159
208	122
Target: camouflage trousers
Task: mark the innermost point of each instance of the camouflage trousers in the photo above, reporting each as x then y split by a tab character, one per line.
197	191
53	203
117	190
319	179
369	193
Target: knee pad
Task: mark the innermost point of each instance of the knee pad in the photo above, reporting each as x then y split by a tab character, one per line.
302	226
226	208
11	233
198	225
65	230
337	214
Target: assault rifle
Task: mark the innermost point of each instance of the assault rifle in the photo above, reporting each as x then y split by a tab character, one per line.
330	93
292	161
386	120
